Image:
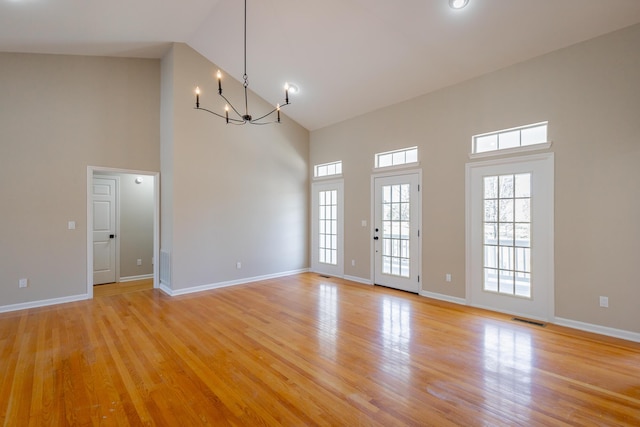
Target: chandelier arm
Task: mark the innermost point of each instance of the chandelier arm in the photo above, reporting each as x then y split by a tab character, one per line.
268	114
220	115
231	106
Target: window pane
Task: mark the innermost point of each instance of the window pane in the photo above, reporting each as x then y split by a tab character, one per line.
506	186
505	211
491	256
523	185
491	234
505	236
490	187
505	258
491	210
412	156
486	143
523	260
399	158
523	285
506	282
509	139
385	160
523	210
523	235
490	280
534	135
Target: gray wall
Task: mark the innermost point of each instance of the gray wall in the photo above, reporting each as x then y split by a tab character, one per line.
58	115
590	94
229	193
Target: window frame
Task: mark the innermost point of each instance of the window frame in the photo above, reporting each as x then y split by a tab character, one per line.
543	145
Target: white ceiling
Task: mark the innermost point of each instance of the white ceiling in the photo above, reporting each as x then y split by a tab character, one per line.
348	57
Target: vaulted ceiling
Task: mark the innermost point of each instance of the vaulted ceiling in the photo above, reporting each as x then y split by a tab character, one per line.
348	57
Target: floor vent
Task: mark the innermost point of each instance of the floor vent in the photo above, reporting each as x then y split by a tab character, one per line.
530	322
324	277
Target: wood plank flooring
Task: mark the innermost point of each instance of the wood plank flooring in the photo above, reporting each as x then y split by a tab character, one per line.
305	350
122	287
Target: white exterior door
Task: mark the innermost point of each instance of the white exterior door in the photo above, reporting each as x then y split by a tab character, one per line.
104	229
510	235
327	228
397	219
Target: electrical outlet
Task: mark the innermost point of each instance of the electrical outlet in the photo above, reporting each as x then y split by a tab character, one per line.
604	302
353	263
238	265
139	262
447	277
23	283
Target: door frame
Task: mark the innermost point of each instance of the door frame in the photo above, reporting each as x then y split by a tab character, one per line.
372	248
546	162
156	221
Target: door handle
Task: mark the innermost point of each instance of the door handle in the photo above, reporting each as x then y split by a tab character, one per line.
375	237
112	236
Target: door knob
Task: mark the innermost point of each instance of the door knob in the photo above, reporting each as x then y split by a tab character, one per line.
112	236
375	237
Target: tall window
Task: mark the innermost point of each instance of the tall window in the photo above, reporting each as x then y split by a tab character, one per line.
507	234
328	227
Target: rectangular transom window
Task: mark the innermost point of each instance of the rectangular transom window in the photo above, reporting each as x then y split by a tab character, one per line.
328	169
510	138
396	157
507	234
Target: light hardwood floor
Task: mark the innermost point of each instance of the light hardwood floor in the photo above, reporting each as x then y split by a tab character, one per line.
109	289
305	350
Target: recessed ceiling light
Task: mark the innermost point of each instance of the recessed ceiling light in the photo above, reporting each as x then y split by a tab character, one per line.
293	89
458	4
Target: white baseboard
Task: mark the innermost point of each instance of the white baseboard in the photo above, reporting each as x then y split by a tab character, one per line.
42	303
134	278
443	297
358	280
201	288
602	330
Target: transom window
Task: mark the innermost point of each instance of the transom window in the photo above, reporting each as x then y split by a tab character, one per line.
396	157
328	169
510	138
507	234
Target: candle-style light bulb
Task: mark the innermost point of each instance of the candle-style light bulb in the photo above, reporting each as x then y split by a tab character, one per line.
226	112
197	96
219	76
278	108
286	93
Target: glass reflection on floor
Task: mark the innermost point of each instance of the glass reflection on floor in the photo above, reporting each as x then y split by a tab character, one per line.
396	337
327	319
508	364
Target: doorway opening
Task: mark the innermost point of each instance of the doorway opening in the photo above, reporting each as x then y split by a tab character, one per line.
122	230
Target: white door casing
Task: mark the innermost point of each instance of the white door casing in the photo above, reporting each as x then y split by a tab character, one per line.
397	221
327	240
104	199
539	304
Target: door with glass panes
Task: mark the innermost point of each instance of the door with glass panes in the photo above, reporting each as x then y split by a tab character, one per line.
327	228
510	235
396	205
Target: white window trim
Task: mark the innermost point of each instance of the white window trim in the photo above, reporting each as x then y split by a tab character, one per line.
395	167
514	150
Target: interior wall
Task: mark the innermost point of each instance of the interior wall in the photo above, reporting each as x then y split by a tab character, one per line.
61	114
237	193
590	94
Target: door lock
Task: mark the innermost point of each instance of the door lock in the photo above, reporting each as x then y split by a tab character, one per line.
112	236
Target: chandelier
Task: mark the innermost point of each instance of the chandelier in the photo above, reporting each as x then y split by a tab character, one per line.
245	118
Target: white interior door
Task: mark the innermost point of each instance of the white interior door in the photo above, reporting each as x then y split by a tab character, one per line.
104	230
510	235
327	228
397	220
